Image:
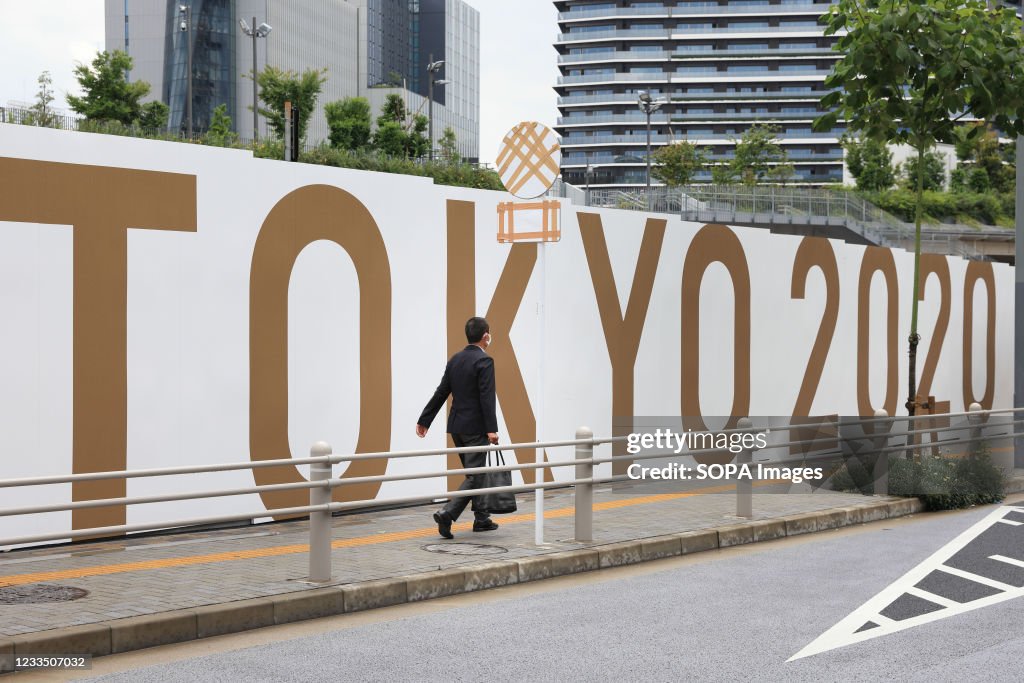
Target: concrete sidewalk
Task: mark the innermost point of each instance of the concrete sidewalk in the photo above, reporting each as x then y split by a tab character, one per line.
140	592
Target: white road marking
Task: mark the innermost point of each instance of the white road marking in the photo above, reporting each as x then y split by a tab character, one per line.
1007	560
845	632
932	597
983	580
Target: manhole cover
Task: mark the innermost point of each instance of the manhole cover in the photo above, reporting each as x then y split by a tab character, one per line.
27	595
464	549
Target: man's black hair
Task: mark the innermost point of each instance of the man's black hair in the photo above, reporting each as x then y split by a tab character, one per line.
475	329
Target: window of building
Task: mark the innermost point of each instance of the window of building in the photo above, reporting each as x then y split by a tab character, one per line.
590	8
591	29
741	25
747	46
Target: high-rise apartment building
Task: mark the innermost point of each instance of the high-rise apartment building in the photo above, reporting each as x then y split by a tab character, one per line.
718	65
367	47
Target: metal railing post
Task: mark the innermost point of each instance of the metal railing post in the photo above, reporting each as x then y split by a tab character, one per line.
744	486
320	522
881	473
975	422
583	494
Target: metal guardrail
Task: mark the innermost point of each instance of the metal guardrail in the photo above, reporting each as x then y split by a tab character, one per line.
321	482
787	205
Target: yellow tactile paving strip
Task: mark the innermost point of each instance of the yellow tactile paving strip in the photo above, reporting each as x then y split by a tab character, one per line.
276	551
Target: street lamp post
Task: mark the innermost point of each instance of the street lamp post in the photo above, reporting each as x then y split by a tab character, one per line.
648	106
186	27
261	31
432	69
590	169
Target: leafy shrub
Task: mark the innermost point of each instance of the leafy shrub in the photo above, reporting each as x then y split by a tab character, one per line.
962	206
940	483
443	173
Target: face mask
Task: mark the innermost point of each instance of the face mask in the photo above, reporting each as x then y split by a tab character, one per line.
489	340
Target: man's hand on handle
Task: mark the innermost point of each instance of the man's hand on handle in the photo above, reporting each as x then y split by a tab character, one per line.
492	437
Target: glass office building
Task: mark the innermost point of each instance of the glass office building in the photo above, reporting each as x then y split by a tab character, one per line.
719	65
213	63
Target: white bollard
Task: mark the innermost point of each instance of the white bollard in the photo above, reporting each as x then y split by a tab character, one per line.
320	522
583	496
744	487
975	421
881	430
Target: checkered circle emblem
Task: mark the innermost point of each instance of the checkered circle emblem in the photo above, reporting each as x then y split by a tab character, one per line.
529	159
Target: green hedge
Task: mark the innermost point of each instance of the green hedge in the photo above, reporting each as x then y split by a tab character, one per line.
940	483
443	173
963	207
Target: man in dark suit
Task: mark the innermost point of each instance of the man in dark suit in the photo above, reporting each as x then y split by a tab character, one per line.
469	377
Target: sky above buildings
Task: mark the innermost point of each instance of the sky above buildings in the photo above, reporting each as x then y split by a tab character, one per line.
518	64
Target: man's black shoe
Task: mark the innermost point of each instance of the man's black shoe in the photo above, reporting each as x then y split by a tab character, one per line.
486	525
444	524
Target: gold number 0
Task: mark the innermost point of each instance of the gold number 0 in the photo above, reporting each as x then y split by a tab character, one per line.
979	270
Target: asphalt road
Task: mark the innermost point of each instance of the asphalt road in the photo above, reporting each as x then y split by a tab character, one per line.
733	615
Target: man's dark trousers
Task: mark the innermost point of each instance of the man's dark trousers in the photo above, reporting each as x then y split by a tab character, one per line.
455	506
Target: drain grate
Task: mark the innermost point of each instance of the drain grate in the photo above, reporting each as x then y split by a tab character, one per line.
464	549
28	595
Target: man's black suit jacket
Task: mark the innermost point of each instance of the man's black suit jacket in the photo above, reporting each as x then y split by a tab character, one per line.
469	376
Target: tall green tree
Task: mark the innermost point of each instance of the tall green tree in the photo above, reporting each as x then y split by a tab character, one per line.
153	117
41	112
757	151
933	175
448	146
220	133
909	71
106	93
870	163
349	122
393	110
390	139
986	155
677	165
723	174
417	144
278	86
